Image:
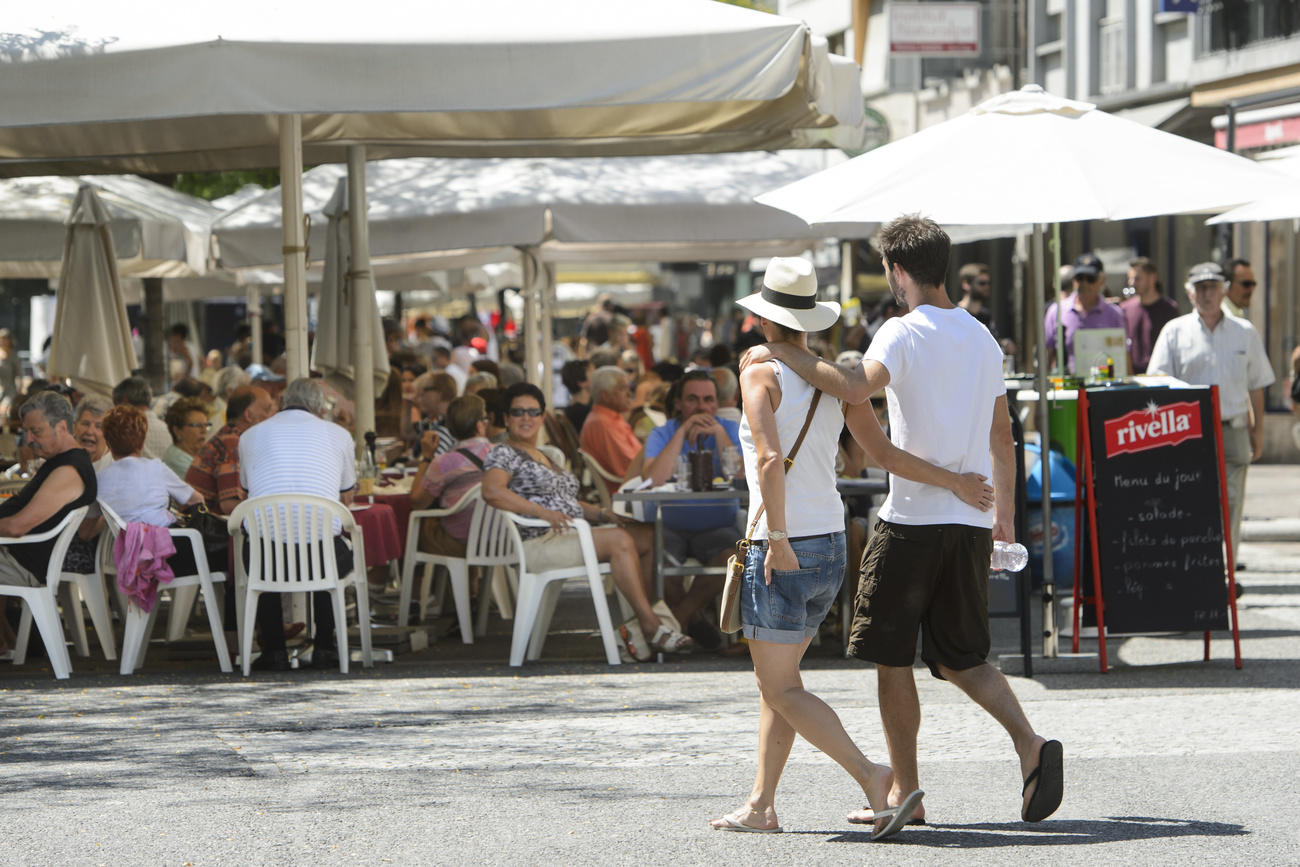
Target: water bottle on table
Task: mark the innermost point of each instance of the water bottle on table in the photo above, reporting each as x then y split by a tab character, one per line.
1008	557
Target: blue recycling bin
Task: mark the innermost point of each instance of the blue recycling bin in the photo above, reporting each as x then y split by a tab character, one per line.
1062	531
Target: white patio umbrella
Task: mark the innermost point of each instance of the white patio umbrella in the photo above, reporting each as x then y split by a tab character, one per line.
92	337
1027	157
93	87
156	231
428	213
1281	203
334	353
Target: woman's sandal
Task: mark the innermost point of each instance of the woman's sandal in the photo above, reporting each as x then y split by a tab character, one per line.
669	640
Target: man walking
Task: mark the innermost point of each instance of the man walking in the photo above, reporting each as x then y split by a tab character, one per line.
927	566
1146	313
1082	309
1206	347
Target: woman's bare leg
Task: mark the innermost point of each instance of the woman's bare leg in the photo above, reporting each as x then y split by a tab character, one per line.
616	547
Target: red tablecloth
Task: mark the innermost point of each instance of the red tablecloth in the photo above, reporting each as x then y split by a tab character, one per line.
401	506
379	526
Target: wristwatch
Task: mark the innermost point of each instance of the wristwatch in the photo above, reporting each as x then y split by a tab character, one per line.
777	535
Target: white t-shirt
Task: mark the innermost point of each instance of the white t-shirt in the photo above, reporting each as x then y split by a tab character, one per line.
294	452
945	372
139	489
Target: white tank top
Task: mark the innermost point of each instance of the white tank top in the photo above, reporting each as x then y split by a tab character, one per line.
812	505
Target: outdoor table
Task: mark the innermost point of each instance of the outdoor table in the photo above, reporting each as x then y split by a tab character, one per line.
378	524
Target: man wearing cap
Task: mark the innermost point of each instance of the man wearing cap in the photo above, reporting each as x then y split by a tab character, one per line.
1241	286
1146	313
1084	308
1207	347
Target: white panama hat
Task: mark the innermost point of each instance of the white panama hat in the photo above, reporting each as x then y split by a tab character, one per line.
789	297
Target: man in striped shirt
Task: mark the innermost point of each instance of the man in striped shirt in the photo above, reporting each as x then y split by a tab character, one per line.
298	452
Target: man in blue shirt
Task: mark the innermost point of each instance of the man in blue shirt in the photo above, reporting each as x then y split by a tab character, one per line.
706	531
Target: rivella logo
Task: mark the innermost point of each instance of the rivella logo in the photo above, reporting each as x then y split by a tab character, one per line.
1153	427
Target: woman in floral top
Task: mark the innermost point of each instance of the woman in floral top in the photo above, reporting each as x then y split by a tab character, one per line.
522	477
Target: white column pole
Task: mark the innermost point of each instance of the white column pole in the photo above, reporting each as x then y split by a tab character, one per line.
363	294
295	246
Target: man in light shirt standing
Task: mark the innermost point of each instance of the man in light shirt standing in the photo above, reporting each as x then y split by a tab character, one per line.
1207	347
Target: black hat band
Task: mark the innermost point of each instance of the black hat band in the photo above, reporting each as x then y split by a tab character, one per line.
785	299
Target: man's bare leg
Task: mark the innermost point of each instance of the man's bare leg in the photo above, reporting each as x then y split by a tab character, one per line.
900	716
990	690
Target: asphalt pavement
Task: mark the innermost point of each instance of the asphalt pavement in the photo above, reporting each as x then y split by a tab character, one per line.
447	756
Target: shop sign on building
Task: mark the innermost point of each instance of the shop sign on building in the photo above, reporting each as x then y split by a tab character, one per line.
935	29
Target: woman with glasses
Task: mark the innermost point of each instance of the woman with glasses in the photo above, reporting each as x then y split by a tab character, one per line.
187	421
529	479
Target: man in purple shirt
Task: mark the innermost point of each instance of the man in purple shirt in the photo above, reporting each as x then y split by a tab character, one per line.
1084	308
1146	313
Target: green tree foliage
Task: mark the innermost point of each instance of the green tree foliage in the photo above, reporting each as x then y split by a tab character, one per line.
214	185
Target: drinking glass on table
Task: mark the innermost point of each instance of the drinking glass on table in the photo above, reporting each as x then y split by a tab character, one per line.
731	462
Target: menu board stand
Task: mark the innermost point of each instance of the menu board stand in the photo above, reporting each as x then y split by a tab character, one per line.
1157	545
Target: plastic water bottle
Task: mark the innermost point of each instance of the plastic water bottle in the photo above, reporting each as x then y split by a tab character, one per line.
1008	557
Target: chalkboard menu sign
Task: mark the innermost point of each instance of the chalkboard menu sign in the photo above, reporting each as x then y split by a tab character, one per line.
1159	513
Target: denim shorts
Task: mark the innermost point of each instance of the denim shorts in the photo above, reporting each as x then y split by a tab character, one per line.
794	605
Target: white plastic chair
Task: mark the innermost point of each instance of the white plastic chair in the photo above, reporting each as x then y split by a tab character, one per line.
539	591
486	546
139	625
41	600
278	563
88	589
600	475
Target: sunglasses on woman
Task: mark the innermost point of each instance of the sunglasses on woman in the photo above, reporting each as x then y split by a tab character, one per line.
520	412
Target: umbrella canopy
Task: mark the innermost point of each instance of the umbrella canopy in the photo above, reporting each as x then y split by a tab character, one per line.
428	213
92	338
156	231
92	87
1281	203
1027	157
333	352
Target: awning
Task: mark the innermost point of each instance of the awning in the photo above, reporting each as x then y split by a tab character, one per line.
1154	114
1222	92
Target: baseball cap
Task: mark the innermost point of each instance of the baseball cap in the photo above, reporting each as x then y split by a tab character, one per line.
1088	265
1204	272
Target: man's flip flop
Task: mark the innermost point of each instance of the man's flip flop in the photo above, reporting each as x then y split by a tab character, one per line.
730	824
1050	775
853	820
897	816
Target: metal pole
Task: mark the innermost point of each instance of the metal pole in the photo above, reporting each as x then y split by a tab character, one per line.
363	295
294	248
546	291
1044	445
532	346
253	301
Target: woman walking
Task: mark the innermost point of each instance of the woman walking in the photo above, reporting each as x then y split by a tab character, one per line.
796	558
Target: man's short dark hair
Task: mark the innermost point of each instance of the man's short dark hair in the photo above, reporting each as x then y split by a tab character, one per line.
133	390
239	402
675	393
463	414
917	245
1230	268
573	373
181	330
1143	264
720	355
668	371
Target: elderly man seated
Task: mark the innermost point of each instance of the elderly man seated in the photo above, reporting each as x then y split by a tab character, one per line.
214	473
606	435
442	480
90	435
297	452
65	481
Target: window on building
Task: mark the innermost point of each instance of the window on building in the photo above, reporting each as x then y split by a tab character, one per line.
1234	24
1113	59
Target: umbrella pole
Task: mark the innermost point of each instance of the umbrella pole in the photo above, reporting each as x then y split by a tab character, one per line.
363	295
294	247
253	301
1056	281
546	290
1044	453
528	263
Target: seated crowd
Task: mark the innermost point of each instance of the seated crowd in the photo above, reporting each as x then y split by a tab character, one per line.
222	435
